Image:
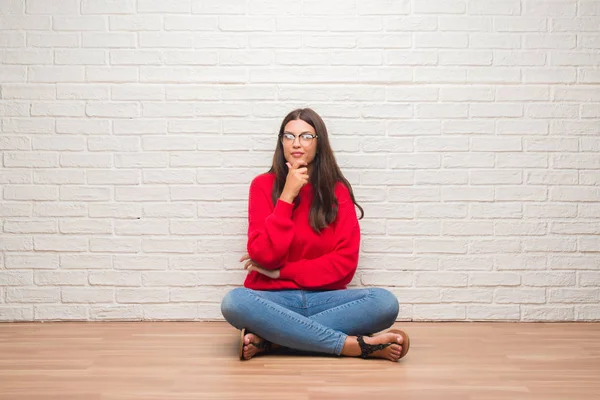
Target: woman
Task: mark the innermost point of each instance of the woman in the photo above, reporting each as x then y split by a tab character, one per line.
303	245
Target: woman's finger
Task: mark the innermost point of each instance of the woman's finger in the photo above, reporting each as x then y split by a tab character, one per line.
245	257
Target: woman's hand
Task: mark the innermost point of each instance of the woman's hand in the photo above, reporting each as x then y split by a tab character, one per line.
297	177
251	265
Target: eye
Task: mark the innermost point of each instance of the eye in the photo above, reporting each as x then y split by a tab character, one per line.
288	136
306	136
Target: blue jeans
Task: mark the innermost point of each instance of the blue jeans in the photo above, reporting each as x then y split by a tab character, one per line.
314	321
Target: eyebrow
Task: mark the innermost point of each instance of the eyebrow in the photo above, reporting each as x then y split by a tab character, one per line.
301	133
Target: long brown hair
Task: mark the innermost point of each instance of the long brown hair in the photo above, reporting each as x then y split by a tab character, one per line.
325	172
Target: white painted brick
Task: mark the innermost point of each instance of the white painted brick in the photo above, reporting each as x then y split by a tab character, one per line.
142	295
86	160
59	312
546	75
82	92
87	295
16	243
467	295
589	210
222	7
512	228
572	58
494	279
115	313
571	262
110	40
574	127
574	194
549	244
571	295
111	74
493	313
521	193
520	295
443	144
440	7
114	144
26	57
520	24
53	40
589	244
518	58
370	278
62	109
16	278
62	209
171	278
177	176
467	228
63	143
551	145
79	23
85	261
32	295
589	41
589	178
494	41
30	192
15	209
30	226
115	245
440	246
405	57
146	193
61	243
113	110
60	278
493	75
523	127
496	210
84	193
52	7
550	7
85	226
487	246
439	40
522	160
439	312
442	279
80	57
140	227
545	279
520	262
54	74
494	7
126	262
115	278
107	6
550	210
169	245
12	313
467	263
549	41
15	143
587	313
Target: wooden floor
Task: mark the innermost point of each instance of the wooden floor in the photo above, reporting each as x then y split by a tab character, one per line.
197	360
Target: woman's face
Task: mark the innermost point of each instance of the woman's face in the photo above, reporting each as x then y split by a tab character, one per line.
301	148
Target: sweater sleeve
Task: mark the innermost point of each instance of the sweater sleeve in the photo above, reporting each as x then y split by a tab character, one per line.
336	268
270	230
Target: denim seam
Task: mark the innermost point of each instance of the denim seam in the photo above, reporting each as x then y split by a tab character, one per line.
311	325
370	295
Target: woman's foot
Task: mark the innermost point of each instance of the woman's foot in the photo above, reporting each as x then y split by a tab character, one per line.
392	352
254	344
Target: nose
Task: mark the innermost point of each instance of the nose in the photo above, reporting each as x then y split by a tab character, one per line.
296	142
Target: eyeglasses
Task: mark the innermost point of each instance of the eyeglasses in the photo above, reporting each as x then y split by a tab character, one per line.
305	138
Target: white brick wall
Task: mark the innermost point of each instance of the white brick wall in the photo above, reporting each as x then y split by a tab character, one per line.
130	131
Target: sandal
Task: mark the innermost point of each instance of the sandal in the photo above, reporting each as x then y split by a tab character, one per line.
366	349
265	345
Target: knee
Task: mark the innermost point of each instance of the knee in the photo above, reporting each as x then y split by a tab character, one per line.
387	305
230	305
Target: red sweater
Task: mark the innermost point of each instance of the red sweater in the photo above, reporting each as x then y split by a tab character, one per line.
281	237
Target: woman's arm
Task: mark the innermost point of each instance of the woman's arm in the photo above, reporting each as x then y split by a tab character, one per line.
270	230
336	268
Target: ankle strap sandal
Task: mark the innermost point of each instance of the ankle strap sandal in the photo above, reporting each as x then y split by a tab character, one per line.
366	349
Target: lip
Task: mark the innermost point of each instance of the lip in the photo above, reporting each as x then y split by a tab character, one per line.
296	154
